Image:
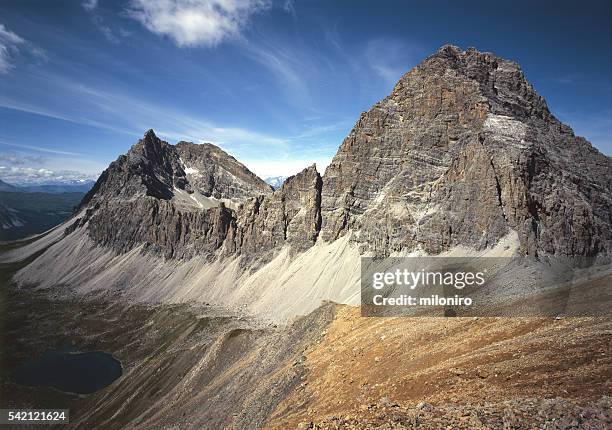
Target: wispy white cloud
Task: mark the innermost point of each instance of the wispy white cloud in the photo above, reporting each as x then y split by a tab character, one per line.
287	67
90	4
12	44
107	32
29	176
14	159
196	22
289	7
115	110
169	122
9	44
113	35
16	105
391	58
36	148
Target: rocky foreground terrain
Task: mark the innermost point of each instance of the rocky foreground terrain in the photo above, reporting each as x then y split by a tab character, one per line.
191	367
231	304
469	373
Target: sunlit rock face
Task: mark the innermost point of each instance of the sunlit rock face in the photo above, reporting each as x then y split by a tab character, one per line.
462	151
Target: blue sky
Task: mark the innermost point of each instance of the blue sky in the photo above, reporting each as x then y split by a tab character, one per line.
278	84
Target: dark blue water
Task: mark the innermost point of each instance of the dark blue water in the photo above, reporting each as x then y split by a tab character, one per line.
81	373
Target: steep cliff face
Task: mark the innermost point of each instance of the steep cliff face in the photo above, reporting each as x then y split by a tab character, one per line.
155	196
187	200
462	151
291	215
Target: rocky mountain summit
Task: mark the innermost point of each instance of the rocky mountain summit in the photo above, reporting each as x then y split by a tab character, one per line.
156	169
461	153
195	199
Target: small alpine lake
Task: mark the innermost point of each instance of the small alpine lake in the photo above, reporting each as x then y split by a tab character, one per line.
71	372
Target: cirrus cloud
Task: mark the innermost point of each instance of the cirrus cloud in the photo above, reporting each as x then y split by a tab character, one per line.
9	43
196	22
19	175
90	4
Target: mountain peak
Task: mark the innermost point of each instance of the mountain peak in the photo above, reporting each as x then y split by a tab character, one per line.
150	133
150	147
448	50
500	83
153	167
217	173
462	153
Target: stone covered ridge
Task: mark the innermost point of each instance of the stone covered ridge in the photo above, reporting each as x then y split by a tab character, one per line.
461	153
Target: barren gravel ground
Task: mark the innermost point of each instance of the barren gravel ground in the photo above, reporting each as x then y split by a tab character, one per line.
471	373
183	366
333	369
195	367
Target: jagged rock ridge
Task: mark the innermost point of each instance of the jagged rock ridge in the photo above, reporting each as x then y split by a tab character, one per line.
140	200
462	152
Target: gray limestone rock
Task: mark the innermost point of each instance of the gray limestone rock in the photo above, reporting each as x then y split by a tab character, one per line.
460	153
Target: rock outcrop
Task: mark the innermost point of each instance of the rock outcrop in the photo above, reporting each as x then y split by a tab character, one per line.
291	215
461	153
216	174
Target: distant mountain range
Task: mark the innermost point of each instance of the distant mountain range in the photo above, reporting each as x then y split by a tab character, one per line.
28	210
275	181
49	187
8	187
